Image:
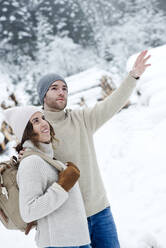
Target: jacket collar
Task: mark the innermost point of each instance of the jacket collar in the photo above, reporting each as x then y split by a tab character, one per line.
55	116
43	148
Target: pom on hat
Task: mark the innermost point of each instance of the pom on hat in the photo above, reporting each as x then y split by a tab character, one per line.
18	117
44	84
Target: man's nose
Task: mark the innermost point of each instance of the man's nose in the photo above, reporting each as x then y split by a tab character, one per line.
61	92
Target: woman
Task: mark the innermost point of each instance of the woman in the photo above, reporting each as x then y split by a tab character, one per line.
47	196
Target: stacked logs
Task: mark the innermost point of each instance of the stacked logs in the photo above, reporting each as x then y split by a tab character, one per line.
107	88
5	130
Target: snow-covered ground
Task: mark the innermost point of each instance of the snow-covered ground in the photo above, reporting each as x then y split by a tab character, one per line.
131	153
133	161
133	166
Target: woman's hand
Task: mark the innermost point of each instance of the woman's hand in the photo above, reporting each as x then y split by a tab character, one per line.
20	155
69	176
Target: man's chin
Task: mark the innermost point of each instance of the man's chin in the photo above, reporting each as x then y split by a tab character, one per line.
60	106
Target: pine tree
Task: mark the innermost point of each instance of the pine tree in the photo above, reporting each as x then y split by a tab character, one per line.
141	26
16	27
147	17
121	28
100	15
67	19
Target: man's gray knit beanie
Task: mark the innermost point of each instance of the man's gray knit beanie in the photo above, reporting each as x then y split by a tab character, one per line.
44	84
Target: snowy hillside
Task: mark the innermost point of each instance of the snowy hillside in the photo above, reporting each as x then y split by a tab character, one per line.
152	85
132	158
86	85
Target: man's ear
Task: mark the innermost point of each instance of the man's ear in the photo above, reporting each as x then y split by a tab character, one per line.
44	101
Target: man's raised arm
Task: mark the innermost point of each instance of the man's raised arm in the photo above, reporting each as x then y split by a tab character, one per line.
96	116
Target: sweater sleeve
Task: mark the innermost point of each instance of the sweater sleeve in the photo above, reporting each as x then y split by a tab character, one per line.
35	201
96	116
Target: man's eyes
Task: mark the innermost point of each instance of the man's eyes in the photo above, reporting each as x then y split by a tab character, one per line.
55	88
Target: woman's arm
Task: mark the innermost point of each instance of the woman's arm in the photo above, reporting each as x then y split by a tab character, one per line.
35	200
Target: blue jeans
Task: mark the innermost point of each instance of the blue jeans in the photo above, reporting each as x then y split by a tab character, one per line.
102	230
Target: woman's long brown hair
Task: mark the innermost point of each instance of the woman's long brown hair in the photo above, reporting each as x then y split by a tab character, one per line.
29	134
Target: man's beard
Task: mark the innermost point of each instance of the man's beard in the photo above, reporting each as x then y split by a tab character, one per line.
57	106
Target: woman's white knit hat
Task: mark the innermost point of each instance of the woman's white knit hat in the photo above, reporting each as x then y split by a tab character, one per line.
18	117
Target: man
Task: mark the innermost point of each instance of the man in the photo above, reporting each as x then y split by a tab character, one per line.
74	130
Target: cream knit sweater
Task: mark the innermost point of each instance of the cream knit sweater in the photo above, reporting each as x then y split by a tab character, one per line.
75	129
60	215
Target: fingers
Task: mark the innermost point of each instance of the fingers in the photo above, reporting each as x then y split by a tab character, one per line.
144	60
147	65
21	153
141	56
72	165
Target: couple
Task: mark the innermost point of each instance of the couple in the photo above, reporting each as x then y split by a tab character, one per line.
69	213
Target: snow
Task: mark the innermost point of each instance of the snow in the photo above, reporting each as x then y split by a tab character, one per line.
133	160
12	18
3	18
17	239
86	85
1	137
153	82
133	167
85	79
131	153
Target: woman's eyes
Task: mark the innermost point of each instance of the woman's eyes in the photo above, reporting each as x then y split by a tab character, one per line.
36	121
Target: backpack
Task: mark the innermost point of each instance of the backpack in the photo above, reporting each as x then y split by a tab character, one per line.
9	192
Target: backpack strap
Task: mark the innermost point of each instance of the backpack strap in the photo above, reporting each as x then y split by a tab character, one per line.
57	164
